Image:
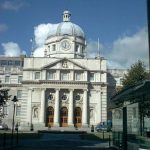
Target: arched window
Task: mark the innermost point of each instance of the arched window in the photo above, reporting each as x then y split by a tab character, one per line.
50	111
64	111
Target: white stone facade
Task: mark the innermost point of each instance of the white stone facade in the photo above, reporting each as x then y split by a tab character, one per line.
71	80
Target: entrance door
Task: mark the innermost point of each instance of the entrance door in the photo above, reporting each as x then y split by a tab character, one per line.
78	117
64	117
50	116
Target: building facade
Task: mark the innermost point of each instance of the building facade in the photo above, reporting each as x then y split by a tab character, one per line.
63	88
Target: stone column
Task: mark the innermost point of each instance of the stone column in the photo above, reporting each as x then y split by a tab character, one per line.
42	112
70	114
56	110
84	111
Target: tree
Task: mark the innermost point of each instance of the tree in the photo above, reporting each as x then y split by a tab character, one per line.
4	97
136	73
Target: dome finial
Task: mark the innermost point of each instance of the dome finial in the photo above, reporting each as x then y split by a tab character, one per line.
66	16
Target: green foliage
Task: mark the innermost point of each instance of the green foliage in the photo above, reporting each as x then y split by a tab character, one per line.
4	97
136	73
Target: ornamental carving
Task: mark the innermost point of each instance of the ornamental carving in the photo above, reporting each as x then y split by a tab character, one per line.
35	111
51	99
64	64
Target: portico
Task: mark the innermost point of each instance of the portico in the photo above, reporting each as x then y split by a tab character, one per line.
62	106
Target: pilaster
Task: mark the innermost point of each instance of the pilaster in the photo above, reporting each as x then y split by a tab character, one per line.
42	110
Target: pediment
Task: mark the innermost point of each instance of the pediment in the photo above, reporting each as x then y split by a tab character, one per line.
64	64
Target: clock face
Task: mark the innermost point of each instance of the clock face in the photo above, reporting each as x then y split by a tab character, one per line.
65	45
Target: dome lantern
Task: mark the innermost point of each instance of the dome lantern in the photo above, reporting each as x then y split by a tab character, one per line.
66	16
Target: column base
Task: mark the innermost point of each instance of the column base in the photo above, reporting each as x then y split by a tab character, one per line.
85	125
56	125
71	125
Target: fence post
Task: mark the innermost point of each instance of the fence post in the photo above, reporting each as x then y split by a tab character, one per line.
4	140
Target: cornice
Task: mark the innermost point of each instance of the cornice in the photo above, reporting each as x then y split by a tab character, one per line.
54	82
11	85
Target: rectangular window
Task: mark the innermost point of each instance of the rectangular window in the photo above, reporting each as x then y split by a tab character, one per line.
4	62
91	76
19	79
77	48
5	110
65	76
17	63
18	110
50	75
19	93
7	69
49	48
10	63
78	76
37	75
7	79
53	47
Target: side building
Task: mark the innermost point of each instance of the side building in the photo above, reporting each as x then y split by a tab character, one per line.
11	74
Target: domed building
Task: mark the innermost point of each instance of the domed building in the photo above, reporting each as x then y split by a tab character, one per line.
63	89
67	40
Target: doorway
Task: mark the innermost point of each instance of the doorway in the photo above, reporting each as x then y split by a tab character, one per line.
64	117
50	116
78	117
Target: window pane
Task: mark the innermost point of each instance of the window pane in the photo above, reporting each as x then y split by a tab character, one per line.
7	79
53	47
4	62
18	110
10	62
7	69
64	76
91	76
37	75
50	75
77	48
17	63
5	110
19	79
19	94
78	76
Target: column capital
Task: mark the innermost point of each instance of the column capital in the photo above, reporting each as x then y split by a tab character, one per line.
71	90
57	89
31	89
43	89
85	90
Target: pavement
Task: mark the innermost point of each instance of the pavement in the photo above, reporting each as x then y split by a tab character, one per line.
52	141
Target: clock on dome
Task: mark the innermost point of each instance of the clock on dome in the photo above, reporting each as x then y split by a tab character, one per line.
66	45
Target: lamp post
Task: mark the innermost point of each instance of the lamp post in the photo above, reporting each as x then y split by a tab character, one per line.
12	134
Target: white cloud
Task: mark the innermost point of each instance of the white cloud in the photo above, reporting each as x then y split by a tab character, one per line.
3	27
12	49
124	51
92	49
41	32
39	52
129	49
12	5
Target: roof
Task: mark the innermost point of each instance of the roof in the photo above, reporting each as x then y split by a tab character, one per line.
133	92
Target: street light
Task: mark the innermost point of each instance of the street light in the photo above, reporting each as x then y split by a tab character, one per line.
14	100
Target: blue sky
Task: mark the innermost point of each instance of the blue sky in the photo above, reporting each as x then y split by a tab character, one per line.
116	23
